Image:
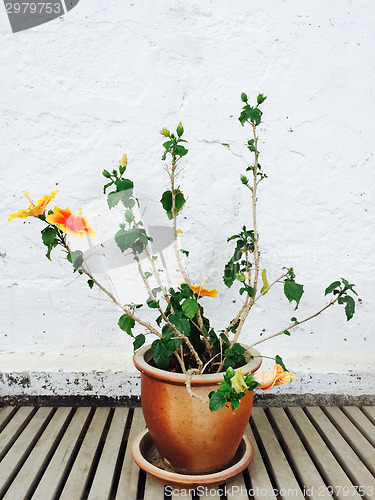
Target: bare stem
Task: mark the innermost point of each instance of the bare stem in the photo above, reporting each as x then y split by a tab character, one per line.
189	374
293	325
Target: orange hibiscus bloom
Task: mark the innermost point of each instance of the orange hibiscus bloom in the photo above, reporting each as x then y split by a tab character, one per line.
35	209
277	376
70	223
204	292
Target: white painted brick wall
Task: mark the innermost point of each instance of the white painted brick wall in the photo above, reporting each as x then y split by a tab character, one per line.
79	91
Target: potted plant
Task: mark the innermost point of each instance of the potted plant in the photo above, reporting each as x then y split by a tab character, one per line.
197	380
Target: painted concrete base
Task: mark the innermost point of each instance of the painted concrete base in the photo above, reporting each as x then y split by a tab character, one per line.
100	388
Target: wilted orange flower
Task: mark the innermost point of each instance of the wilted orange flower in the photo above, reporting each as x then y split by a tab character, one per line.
277	376
204	292
35	209
70	223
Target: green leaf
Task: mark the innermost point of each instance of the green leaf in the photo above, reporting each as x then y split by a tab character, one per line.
249	289
243	97
75	258
49	235
125	239
261	98
153	304
180	150
182	324
166	201
279	361
217	401
229	363
90	283
129	215
286	332
113	199
349	286
106	174
244	179
124	185
265	286
148	275
160	354
139	341
106	186
293	319
126	323
190	308
293	291
349	307
168	144
331	287
185	252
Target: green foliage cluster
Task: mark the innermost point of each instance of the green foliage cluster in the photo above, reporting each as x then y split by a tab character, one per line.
227	394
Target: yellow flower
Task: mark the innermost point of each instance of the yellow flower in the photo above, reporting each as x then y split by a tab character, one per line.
70	223
204	292
269	379
179	231
36	209
238	381
124	160
165	132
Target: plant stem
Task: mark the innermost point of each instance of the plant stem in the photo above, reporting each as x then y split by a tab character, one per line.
271	285
127	311
293	325
249	305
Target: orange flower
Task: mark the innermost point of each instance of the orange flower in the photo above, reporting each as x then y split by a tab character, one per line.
70	223
277	376
36	209
204	292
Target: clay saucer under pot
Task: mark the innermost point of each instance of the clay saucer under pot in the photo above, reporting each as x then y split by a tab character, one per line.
147	458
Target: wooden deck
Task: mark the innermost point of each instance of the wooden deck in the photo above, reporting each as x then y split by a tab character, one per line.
70	454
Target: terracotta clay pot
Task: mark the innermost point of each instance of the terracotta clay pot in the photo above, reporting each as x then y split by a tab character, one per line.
191	437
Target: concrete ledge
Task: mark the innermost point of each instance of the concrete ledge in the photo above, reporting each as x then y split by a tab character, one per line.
266	400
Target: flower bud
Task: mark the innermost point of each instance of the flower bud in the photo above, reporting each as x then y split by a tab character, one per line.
164	131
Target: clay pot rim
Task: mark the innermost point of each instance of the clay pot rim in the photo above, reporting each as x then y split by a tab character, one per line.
143	355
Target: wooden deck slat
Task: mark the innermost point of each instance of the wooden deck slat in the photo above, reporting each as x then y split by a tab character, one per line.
54	472
5	411
356	471
284	476
101	485
75	484
353	436
26	476
236	486
362	422
128	483
309	476
369	411
260	480
154	490
328	467
22	446
10	430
